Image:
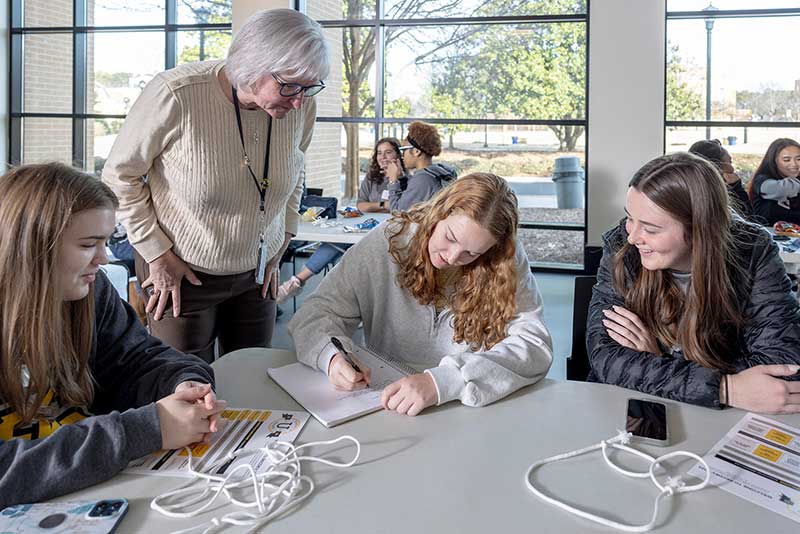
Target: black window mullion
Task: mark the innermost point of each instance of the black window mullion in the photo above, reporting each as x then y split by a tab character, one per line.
171	36
15	86
17	13
15	100
79	78
380	72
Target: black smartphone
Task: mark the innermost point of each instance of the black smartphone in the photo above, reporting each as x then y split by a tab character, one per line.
647	421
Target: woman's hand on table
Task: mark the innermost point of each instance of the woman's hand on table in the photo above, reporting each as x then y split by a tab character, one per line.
343	376
410	395
760	389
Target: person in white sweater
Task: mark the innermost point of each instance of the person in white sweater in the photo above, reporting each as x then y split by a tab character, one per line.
209	170
444	287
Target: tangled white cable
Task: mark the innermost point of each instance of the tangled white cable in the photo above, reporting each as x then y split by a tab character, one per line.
620	441
274	491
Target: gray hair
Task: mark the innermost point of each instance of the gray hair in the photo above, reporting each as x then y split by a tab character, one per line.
279	41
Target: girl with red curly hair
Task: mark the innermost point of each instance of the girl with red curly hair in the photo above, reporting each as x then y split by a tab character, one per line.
444	287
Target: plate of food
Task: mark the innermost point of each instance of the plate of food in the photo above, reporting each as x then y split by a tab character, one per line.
787	229
350	212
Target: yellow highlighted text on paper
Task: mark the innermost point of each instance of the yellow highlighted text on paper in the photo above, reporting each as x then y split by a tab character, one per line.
198	449
768	453
778	437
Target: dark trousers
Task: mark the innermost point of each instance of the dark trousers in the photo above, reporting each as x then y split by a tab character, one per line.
226	308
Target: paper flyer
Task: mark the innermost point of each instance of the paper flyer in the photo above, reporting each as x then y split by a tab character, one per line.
758	460
245	429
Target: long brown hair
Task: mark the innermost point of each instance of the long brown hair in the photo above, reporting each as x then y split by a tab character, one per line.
39	331
769	163
692	191
374	172
484	301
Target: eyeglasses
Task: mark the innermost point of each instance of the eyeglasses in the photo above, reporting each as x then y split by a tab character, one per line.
404	148
293	89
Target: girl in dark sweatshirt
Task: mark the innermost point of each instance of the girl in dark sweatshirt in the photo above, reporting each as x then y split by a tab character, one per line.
84	389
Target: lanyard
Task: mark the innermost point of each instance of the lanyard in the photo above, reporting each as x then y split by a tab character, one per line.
264	183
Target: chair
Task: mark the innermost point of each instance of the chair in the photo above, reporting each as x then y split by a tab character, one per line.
314	191
118	275
578	361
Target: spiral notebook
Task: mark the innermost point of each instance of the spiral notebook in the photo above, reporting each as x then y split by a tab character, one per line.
331	406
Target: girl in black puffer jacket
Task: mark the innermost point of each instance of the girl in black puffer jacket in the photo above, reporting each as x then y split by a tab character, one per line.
692	303
775	188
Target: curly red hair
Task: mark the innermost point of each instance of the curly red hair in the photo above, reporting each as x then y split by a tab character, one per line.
483	302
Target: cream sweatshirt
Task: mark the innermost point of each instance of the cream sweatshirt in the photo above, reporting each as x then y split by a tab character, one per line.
198	198
363	287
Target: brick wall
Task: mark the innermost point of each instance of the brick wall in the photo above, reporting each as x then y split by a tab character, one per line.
324	156
47	83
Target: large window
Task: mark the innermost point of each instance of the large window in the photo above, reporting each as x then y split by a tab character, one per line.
731	75
78	66
503	80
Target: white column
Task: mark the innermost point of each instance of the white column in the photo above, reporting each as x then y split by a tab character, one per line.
626	102
244	8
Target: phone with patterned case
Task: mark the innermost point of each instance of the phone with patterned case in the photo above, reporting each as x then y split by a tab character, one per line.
88	517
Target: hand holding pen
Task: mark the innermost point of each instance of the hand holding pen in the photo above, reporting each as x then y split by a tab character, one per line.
344	372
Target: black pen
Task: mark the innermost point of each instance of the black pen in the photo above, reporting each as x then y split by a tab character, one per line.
345	354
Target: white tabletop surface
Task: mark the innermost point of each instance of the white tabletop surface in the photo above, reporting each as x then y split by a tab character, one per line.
790	259
455	469
335	234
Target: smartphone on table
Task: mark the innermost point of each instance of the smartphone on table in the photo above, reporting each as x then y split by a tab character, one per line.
647	421
87	517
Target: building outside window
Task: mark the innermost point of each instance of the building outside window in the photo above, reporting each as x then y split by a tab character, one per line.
731	75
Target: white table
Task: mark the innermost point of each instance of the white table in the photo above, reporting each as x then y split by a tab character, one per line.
791	260
309	232
455	469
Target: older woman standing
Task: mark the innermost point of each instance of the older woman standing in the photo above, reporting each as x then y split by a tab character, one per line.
209	171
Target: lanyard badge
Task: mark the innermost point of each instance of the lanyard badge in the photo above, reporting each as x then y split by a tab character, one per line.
261	185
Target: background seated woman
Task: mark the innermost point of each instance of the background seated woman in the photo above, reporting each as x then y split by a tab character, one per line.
690	303
372	198
775	188
713	151
426	178
83	388
444	287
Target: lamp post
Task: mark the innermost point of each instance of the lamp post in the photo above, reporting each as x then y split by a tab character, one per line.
710	9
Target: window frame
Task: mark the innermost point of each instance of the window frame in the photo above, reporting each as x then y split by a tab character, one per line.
719	14
79	31
379	22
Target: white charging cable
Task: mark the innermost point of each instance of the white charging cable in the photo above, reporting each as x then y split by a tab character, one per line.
274	491
670	487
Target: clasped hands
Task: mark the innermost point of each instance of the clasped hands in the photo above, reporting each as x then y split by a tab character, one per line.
190	415
409	395
758	388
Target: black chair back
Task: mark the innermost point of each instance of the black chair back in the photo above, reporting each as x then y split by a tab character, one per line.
578	361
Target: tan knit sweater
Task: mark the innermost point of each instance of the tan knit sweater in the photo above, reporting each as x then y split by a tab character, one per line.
198	198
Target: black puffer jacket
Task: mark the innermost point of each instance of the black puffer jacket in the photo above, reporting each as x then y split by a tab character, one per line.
770	334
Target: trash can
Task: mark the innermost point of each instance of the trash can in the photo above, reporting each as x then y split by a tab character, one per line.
568	177
731	140
514	140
